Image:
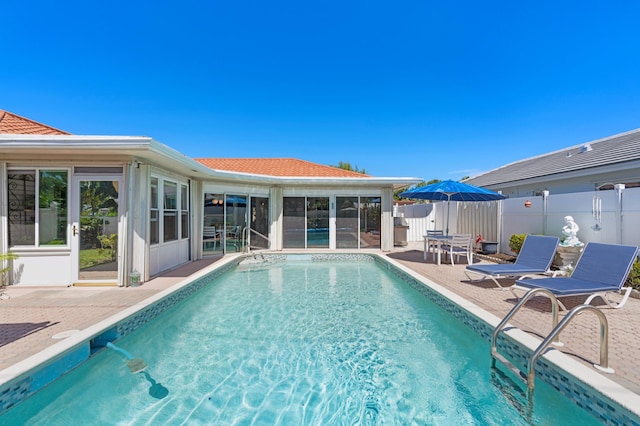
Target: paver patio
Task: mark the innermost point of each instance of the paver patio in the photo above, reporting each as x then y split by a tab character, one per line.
31	318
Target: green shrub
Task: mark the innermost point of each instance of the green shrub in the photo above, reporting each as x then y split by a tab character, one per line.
3	271
516	241
634	275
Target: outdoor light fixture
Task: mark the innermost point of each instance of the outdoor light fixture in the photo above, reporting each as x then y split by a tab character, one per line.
527	203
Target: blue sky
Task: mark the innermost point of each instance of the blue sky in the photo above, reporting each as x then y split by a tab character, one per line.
429	89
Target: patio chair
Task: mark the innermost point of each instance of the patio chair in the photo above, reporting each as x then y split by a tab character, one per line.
535	257
459	245
209	236
602	268
430	245
234	237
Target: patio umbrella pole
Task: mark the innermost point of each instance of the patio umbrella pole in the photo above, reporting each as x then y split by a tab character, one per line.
448	205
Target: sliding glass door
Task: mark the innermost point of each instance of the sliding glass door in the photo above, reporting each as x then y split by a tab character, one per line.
259	220
347	222
317	222
293	222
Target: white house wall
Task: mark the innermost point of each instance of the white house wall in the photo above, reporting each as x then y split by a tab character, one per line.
166	255
578	181
42	269
51	265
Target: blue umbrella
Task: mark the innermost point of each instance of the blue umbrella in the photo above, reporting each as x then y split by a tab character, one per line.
449	190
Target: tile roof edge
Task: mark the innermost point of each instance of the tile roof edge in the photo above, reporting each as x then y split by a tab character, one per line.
5	112
355	174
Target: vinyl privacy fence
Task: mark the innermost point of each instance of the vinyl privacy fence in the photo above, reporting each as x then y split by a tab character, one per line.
611	216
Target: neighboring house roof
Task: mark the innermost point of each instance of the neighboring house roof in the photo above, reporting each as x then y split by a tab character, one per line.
14	124
621	148
278	167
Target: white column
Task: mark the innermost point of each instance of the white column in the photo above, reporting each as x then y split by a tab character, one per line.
386	225
275	218
4	230
139	211
4	223
196	213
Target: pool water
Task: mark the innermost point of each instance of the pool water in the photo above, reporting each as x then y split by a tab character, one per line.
295	343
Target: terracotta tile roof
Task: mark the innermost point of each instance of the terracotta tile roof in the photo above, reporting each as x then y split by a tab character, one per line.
14	124
278	167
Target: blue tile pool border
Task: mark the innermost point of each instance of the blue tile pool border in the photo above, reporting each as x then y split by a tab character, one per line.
592	401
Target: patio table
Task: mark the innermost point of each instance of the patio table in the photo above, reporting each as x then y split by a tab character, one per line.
438	239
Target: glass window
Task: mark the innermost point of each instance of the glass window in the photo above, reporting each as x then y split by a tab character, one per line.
293	222
48	209
170	195
22	207
347	222
52	208
184	197
154	192
370	219
154	226
170	223
184	211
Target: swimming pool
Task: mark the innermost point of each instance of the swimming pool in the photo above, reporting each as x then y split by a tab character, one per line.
299	341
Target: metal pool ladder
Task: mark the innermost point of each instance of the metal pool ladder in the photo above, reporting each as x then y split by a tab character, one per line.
552	338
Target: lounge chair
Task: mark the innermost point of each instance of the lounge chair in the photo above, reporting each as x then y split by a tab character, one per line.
602	268
535	257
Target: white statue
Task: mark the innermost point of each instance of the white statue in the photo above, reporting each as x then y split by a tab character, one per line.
570	230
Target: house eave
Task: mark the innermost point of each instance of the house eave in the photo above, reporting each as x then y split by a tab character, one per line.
591	171
147	150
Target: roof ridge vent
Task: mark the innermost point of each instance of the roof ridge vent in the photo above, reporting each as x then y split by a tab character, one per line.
586	147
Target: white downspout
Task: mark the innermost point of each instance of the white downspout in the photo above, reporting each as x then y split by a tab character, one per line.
545	200
619	188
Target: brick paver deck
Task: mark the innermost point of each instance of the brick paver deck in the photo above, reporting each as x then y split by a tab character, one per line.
33	316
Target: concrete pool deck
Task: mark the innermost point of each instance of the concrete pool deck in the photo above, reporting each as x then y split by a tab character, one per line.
35	318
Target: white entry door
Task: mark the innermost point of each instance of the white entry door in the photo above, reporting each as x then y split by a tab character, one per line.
94	229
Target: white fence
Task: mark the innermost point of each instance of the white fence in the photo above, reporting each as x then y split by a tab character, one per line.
603	216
